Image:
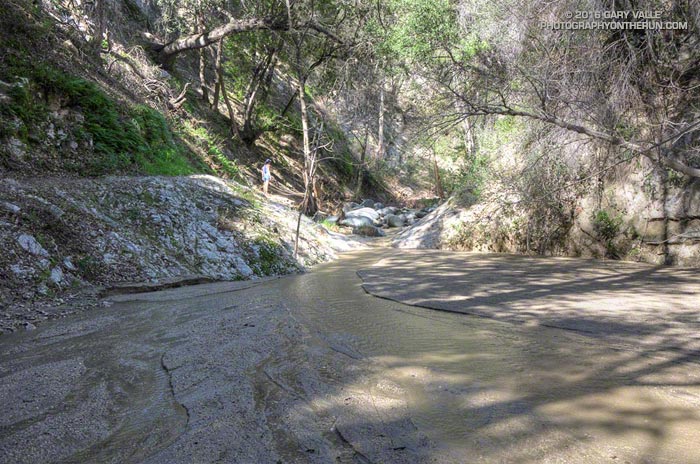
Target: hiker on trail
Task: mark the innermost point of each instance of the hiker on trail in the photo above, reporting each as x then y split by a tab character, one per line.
266	175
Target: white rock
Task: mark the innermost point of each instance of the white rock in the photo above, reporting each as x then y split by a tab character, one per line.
10	208
29	243
16	148
243	268
21	271
56	276
42	289
68	264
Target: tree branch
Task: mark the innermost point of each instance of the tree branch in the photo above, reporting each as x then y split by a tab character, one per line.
665	155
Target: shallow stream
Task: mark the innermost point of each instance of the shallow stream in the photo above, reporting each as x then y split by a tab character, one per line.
477	389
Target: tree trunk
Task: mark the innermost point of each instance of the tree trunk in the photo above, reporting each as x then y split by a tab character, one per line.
438	182
307	154
229	107
289	104
257	90
219	73
202	75
361	168
469	144
166	53
308	161
99	24
380	128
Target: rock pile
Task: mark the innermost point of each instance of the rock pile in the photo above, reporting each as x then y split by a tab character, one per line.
370	218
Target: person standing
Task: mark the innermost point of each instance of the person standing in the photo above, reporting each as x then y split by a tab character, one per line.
266	175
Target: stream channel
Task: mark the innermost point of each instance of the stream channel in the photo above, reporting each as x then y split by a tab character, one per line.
311	368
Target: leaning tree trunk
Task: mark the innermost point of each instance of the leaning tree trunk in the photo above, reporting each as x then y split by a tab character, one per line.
166	53
229	107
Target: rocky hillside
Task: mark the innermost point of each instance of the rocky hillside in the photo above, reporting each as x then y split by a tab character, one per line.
64	239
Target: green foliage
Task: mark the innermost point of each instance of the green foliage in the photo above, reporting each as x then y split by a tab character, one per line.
343	158
473	174
133	139
270	257
607	227
505	124
267	118
88	267
426	31
422	28
212	143
332	226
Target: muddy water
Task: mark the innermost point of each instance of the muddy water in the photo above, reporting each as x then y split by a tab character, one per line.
501	392
163	379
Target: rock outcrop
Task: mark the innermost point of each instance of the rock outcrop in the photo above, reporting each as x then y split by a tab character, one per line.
62	237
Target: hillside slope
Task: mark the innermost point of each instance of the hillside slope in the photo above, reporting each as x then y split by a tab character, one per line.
64	239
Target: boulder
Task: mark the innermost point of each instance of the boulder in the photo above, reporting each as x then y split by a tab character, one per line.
29	243
56	276
331	219
9	207
393	220
347	207
422	213
387	210
369	213
368	203
378	206
357	221
368	231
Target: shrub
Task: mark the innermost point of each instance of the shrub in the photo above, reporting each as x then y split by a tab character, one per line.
607	228
124	139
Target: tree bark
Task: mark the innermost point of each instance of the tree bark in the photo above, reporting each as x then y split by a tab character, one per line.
100	25
219	73
307	154
289	104
469	143
257	89
380	126
361	168
438	181
166	53
229	107
308	162
202	75
202	57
